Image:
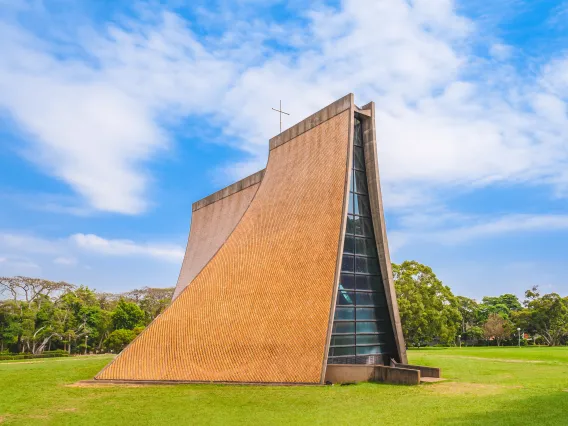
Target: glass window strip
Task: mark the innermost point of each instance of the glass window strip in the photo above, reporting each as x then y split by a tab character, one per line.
361	312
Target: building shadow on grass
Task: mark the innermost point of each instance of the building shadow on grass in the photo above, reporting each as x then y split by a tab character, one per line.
548	409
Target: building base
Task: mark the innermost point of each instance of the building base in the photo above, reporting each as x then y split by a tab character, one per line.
399	374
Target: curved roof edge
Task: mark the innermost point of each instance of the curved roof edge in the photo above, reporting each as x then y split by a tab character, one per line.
229	190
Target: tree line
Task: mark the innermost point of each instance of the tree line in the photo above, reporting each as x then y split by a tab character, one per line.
431	314
38	315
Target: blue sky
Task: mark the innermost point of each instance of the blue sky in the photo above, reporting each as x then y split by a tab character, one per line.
116	116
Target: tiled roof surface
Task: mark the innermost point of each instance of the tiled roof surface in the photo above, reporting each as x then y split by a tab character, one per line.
259	310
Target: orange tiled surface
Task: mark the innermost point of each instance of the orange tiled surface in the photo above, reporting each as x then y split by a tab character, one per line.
259	310
210	228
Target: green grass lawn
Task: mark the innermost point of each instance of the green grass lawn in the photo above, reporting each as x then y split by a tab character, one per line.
486	386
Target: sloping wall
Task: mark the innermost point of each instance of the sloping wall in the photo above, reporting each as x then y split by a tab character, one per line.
211	225
259	310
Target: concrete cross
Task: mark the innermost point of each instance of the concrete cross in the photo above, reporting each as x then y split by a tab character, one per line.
281	112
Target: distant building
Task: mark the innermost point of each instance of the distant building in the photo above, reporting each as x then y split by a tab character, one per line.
286	271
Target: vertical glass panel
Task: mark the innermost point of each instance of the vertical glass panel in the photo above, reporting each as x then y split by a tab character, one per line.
365	247
358	133
361	321
366	265
370	339
352	187
374	283
367	327
358	225
350	225
346	298
364	314
359	182
344	340
358	158
368	350
342	351
343	314
363	226
343	327
347	265
361	205
367	299
347	281
349	245
350	206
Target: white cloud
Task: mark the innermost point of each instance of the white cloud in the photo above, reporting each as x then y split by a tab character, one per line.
67	261
445	117
67	249
455	229
104	246
10	264
95	122
27	243
500	51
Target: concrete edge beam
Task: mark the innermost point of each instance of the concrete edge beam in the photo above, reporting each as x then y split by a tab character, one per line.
229	190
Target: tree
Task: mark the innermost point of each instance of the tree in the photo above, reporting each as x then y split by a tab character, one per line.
10	326
468	309
428	309
474	334
38	314
546	316
118	339
497	328
509	300
127	315
31	289
485	310
152	301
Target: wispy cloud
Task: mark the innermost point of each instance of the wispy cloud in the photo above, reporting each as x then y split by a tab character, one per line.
104	246
67	261
446	116
11	263
67	249
455	229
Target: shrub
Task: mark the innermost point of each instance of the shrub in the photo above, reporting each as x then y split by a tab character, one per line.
56	351
31	356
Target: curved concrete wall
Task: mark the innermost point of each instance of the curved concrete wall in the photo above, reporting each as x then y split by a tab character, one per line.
211	225
259	310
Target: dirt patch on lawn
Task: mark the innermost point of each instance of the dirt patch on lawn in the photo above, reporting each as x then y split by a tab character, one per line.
480	358
103	385
460	388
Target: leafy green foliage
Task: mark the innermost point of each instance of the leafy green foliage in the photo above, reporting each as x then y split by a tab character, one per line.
510	301
118	339
127	315
40	314
545	315
37	315
428	309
